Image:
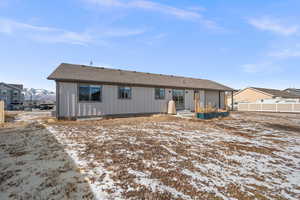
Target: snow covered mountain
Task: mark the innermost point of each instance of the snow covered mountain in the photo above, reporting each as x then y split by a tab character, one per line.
39	95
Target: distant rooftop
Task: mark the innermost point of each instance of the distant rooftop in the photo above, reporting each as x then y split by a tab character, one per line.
14	86
277	93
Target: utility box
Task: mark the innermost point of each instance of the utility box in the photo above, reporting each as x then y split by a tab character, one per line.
2	116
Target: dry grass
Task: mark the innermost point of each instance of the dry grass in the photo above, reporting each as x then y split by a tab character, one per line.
164	157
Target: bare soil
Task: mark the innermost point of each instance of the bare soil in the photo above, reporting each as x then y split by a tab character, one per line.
245	156
34	165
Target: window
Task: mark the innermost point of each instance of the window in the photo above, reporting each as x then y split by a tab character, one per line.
15	93
90	93
124	92
159	93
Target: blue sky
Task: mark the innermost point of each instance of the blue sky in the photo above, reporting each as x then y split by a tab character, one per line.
237	43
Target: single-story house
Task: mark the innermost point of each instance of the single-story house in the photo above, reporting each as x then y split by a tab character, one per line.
255	94
85	91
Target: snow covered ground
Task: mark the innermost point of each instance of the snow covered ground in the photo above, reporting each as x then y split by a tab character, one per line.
247	156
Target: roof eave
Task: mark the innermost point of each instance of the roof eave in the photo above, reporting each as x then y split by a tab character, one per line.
134	84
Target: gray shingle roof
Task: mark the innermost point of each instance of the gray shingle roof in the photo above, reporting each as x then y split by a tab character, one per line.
81	73
277	93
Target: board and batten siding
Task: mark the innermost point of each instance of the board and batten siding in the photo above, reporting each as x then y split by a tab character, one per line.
189	100
142	101
212	99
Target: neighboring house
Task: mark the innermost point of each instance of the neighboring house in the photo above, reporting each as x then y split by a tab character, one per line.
254	94
84	91
293	91
12	96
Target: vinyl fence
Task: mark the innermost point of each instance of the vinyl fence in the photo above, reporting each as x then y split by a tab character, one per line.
2	119
270	107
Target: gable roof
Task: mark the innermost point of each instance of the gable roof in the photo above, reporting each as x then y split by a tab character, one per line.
82	73
273	92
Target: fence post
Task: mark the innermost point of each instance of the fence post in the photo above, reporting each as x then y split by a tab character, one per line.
2	116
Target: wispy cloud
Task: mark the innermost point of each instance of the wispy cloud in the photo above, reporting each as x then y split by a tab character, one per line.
264	66
286	53
186	14
43	33
274	25
56	35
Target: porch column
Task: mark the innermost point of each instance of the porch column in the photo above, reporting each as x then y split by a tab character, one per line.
219	99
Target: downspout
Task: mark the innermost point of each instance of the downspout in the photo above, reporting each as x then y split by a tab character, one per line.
219	99
57	99
231	100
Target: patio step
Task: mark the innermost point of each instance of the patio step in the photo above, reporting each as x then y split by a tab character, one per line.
185	113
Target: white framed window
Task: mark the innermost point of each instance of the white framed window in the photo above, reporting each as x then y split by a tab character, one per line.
124	92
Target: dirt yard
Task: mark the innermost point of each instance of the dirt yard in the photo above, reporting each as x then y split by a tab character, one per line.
34	165
245	156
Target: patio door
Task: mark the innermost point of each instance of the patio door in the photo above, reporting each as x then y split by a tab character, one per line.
178	97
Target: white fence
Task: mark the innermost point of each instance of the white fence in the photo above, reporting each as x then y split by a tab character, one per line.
270	107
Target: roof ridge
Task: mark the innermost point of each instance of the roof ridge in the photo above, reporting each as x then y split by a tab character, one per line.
125	70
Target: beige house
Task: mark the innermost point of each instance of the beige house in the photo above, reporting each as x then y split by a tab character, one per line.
254	94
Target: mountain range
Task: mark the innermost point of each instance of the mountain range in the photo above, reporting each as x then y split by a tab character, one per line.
39	95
